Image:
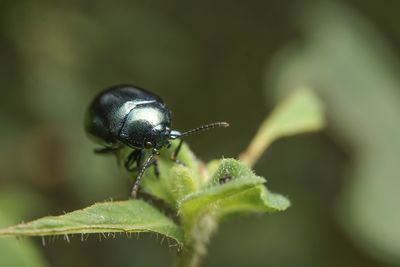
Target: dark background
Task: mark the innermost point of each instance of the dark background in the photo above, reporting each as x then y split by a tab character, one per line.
209	61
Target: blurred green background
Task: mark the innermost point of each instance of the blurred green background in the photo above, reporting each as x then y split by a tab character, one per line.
209	61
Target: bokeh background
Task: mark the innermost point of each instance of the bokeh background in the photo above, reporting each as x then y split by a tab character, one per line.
209	61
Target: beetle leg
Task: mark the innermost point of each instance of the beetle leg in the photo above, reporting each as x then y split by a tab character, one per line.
140	158
156	169
135	188
105	150
134	157
176	152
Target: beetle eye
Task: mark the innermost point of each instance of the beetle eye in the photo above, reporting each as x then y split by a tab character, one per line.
148	145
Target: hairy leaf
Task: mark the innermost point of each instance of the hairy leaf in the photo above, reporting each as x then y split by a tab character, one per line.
123	216
243	192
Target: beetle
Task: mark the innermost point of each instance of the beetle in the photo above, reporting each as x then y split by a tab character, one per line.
127	115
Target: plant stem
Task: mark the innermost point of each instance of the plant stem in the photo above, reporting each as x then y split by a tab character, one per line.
197	240
189	258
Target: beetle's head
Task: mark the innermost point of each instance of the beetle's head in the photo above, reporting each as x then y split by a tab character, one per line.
158	137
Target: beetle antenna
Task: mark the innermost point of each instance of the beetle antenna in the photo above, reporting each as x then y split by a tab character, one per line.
205	128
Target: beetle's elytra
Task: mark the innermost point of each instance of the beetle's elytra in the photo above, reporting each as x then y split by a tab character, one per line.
126	115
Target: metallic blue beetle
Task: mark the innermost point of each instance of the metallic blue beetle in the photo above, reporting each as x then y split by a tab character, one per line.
126	115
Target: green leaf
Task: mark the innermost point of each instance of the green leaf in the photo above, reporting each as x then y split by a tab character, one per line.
301	112
122	216
254	200
243	193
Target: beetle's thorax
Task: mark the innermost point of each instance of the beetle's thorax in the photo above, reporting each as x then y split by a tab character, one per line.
147	123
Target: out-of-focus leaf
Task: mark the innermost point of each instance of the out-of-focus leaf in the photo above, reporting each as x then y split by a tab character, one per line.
124	216
301	112
345	60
